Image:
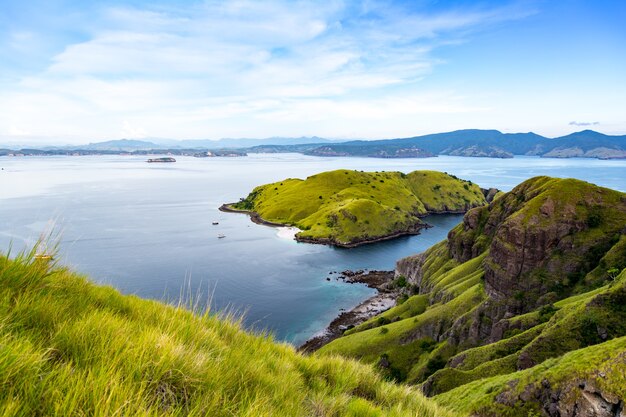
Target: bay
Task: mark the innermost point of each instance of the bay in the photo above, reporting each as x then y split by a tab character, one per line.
147	229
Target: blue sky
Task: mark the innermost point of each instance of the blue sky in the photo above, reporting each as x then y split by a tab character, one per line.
75	71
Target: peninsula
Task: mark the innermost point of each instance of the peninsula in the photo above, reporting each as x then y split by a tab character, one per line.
349	208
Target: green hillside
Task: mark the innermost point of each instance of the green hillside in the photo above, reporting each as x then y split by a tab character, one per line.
71	348
346	208
527	283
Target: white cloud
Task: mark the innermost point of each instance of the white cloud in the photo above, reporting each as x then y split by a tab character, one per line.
131	131
222	68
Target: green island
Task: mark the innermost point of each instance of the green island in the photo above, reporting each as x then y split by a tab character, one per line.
520	312
349	208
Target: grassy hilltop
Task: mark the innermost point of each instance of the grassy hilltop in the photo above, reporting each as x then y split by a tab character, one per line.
346	208
71	348
522	310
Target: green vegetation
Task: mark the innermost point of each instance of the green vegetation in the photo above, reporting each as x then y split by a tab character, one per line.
68	347
349	207
481	325
522	311
602	366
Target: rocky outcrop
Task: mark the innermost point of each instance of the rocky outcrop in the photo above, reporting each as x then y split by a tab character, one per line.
479	152
576	152
579	398
541	237
490	193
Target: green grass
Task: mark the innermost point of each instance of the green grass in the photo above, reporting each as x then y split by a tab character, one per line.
343	207
404	341
453	332
604	365
71	348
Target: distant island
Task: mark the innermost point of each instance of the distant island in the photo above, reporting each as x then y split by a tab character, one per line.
351	208
164	159
465	143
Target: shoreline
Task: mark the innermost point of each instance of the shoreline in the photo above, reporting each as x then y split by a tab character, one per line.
383	300
256	218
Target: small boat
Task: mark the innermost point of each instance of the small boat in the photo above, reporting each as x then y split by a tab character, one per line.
215	223
221	236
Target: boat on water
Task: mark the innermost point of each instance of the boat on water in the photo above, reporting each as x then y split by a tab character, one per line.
163	159
221	236
215	223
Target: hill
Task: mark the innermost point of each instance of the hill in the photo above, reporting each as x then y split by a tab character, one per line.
486	143
119	145
68	347
520	311
348	208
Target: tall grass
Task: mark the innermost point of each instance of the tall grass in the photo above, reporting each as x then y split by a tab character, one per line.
71	348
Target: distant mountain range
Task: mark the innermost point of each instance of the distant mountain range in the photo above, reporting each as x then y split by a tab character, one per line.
487	143
227	143
470	142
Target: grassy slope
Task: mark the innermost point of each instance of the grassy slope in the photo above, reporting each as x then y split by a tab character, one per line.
408	340
603	365
68	347
409	343
347	206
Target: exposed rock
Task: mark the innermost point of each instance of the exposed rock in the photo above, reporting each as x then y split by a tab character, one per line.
490	193
380	302
523	240
574	399
478	151
564	153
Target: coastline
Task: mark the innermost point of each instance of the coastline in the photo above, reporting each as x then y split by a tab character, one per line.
255	217
380	302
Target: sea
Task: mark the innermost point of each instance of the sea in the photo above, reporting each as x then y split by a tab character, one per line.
147	229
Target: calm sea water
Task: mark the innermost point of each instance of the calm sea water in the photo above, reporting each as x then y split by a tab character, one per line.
147	228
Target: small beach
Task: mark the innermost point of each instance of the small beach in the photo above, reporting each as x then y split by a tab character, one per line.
288	233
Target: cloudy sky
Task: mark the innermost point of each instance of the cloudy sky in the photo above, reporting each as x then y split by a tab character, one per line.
77	71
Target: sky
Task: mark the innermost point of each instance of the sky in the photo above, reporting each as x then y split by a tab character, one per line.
77	71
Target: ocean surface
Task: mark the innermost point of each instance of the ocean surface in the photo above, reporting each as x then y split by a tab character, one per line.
147	229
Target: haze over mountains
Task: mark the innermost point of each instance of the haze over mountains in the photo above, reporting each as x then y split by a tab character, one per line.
469	142
163	143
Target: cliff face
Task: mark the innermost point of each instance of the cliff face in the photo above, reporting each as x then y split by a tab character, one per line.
533	276
543	237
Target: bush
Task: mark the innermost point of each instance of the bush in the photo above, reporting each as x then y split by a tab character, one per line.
382	321
434	364
400	282
594	218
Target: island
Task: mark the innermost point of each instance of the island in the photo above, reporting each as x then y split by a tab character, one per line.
350	208
162	159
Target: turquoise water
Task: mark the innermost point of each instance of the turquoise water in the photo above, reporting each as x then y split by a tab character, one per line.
147	229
